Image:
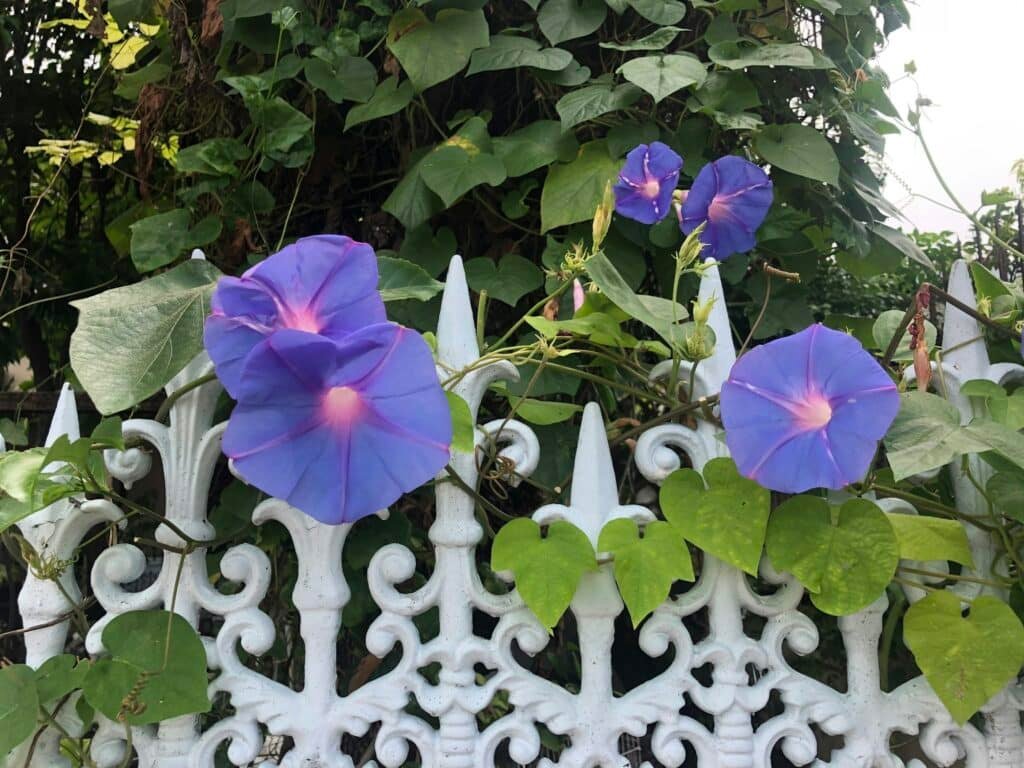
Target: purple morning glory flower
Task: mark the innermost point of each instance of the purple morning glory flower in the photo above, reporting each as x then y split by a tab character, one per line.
325	284
807	411
646	182
339	429
733	196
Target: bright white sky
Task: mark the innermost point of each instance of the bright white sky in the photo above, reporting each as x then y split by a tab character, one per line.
970	63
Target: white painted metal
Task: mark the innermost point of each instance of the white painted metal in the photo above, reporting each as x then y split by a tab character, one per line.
747	666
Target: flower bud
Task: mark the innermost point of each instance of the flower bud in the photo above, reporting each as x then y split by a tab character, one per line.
603	216
574	261
578	296
698	342
702	310
922	366
690	250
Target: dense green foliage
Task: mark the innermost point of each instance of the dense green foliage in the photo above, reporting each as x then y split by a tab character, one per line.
489	130
493	130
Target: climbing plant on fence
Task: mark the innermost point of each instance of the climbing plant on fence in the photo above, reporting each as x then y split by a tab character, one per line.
596	162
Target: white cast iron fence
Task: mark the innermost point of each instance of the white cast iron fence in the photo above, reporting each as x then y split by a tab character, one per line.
815	723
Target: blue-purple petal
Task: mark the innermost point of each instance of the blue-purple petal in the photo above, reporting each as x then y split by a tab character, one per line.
326	272
634	205
284	439
229	341
235	296
736	175
731	196
399	383
842	367
775	388
286	367
634	168
646	182
801	463
779	366
663	162
325	285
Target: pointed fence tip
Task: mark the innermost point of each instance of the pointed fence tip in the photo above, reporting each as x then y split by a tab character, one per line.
65	417
593	476
456	327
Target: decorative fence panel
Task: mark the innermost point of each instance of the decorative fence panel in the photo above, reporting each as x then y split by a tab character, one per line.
752	709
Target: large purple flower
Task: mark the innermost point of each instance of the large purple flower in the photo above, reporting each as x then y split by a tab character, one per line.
646	182
733	196
807	411
325	284
339	429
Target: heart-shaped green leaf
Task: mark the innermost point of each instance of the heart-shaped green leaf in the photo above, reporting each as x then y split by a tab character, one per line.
159	656
593	101
966	659
931	538
1006	489
661	315
799	149
342	78
507	282
845	556
156	326
885	328
572	191
401	280
659	11
510	51
387	98
19	706
927	434
158	240
656	41
547	569
451	171
740	54
60	675
535	146
432	51
561	20
543	412
645	567
726	519
213	157
662	76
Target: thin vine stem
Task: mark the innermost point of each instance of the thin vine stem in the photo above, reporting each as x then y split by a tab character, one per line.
165	407
529	313
956	201
951	577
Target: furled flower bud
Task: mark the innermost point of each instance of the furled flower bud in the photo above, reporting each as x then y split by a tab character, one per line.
578	296
702	310
690	250
603	216
922	366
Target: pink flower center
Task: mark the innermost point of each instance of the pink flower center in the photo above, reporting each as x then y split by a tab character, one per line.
814	414
302	320
650	188
718	209
342	405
